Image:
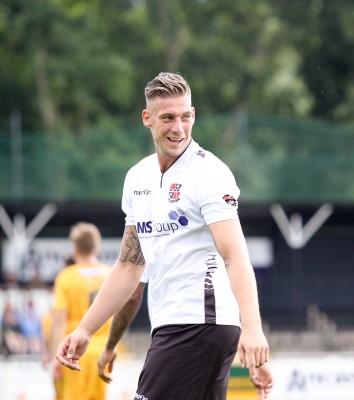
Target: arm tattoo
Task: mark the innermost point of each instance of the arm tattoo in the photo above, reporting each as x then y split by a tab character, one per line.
120	323
131	249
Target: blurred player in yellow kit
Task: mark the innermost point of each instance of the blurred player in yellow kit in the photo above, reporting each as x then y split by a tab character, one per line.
75	288
47	359
47	322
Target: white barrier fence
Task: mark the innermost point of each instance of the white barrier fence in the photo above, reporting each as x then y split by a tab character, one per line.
322	376
28	380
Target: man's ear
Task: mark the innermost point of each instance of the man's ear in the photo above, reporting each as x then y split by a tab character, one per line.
146	118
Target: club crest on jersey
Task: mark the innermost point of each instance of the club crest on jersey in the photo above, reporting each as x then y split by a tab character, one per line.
174	192
230	200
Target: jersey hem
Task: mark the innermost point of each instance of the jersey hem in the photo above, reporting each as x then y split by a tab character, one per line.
194	322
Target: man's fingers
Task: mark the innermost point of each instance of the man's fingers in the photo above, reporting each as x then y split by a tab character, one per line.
71	351
263	357
68	363
254	357
242	357
268	389
101	373
252	369
65	357
105	377
105	364
260	394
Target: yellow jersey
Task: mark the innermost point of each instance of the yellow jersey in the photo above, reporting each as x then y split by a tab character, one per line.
75	288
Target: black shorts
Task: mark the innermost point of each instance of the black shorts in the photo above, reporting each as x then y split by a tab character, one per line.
188	362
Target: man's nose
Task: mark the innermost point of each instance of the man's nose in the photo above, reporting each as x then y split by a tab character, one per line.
177	126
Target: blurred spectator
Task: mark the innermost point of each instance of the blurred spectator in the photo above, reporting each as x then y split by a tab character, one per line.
31	327
12	339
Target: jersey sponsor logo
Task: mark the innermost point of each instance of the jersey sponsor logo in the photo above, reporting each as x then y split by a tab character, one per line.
144	192
156	227
178	215
174	192
177	219
230	200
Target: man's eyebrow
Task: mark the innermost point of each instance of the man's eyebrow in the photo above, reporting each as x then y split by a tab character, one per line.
172	114
164	115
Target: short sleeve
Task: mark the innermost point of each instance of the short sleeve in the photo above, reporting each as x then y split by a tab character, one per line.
145	276
127	206
218	194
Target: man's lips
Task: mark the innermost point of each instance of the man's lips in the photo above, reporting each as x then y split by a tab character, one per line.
175	140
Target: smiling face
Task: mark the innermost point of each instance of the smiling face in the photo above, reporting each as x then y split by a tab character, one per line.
170	120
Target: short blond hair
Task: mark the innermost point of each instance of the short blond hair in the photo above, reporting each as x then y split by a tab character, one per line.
167	84
86	238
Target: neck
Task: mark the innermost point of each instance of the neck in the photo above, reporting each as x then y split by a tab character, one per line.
165	161
81	259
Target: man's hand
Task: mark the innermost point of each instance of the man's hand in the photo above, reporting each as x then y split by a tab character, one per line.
253	349
71	349
253	352
106	358
263	381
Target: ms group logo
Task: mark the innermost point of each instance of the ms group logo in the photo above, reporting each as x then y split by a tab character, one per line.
179	216
177	219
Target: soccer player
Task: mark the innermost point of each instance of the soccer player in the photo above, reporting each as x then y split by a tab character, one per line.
182	221
75	288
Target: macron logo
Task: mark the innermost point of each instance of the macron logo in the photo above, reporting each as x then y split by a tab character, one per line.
144	192
140	397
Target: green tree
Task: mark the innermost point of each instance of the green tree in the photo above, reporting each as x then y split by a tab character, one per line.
323	35
69	76
78	64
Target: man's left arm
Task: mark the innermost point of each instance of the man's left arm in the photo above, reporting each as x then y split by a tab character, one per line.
253	347
120	323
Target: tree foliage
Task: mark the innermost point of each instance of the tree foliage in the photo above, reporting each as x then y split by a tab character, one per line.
78	64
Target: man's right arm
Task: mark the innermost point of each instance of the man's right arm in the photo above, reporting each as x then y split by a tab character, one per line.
121	320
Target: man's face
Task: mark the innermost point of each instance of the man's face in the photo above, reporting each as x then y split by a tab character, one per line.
170	120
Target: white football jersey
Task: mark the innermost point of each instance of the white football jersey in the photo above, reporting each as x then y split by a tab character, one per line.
188	282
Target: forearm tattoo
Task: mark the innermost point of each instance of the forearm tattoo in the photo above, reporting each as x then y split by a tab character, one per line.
131	249
120	323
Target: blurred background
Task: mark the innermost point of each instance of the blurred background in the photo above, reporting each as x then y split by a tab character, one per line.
273	87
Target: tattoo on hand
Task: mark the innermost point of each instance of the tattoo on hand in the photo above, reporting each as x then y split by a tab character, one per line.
131	249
